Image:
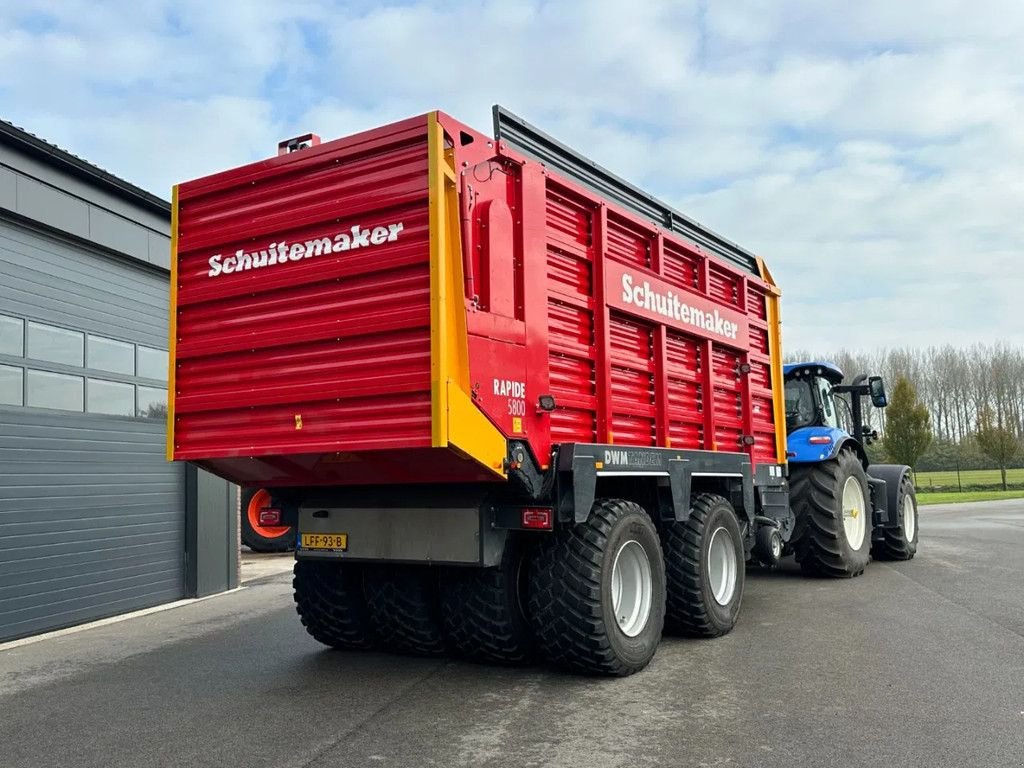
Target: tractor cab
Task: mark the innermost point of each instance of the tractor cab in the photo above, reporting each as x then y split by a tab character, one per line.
819	420
809	398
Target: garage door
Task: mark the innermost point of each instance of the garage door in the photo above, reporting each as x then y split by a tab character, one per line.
92	518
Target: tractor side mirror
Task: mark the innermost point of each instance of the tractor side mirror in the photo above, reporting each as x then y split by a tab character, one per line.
876	388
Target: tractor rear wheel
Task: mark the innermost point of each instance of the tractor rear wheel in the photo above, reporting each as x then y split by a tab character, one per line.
262	538
597	591
404	608
483	608
330	604
704	565
900	543
833	516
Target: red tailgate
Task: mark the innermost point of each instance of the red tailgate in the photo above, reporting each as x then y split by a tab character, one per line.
303	306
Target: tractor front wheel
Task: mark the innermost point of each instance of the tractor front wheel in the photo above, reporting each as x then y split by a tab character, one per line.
900	543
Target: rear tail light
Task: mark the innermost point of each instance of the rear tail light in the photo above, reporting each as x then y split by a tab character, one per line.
270	516
819	440
539	518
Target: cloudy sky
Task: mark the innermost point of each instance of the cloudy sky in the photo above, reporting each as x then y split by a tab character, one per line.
873	152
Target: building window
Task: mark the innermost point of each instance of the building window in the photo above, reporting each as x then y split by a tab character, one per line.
56	345
12	336
91	392
109	355
12	388
152	363
152	403
110	397
54	390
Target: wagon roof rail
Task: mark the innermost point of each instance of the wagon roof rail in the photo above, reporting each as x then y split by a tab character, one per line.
532	142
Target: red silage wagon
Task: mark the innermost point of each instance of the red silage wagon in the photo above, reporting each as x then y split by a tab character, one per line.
508	402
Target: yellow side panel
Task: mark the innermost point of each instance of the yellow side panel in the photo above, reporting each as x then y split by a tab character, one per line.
172	341
455	421
775	351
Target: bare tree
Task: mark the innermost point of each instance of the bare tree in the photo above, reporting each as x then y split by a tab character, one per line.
955	385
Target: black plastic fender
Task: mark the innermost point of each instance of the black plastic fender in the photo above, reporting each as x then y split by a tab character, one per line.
892	475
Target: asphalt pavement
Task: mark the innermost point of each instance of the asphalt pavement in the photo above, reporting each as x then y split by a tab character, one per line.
912	664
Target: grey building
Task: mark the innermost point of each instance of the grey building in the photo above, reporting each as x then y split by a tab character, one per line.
93	520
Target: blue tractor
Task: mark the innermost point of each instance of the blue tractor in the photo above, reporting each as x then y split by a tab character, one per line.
843	510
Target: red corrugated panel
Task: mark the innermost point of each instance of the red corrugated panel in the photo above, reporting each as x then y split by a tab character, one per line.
681	265
628	243
760	376
725	364
728	400
759	340
764	430
685	391
683	355
572	378
313	354
728	419
756	302
569	221
568	272
631	342
571	363
572	425
686	435
723	285
570	316
632	381
686	414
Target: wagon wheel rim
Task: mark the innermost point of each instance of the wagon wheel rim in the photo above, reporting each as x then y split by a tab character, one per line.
632	588
722	566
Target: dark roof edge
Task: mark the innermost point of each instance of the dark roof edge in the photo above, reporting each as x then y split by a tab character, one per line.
76	166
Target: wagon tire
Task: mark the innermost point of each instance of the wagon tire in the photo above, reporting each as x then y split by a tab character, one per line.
405	609
597	591
329	600
484	610
704	565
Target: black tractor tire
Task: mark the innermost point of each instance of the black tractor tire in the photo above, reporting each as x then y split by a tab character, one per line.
405	609
821	545
329	601
894	543
484	609
253	535
691	607
570	586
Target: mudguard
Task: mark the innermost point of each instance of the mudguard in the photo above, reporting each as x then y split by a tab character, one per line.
892	475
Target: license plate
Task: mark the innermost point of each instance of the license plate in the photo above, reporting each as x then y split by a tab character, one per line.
332	542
